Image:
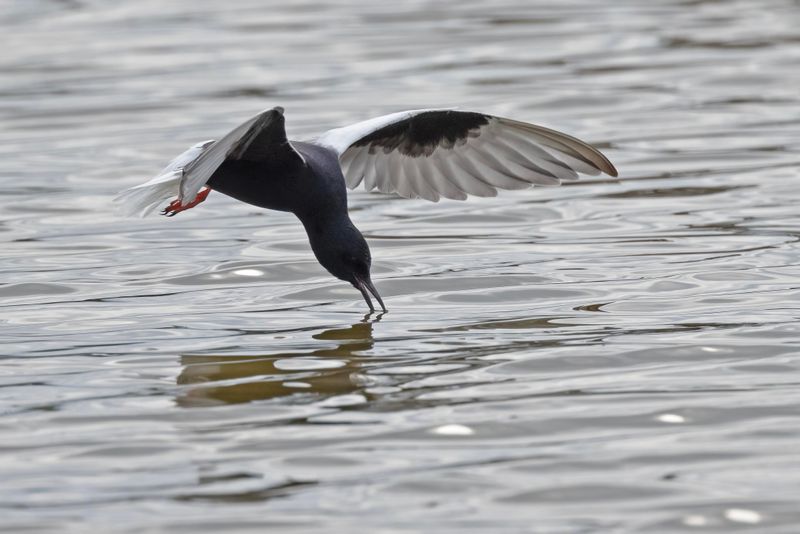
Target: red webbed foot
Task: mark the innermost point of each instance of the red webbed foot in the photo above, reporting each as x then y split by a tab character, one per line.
175	206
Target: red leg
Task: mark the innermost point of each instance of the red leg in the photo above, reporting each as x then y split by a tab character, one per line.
175	206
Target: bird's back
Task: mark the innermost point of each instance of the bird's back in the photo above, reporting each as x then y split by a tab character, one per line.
314	186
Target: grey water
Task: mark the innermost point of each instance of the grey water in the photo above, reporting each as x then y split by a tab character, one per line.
614	355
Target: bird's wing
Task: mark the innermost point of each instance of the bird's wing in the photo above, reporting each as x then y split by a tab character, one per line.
259	137
433	153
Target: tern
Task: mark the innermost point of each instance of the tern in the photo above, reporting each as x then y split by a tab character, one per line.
426	153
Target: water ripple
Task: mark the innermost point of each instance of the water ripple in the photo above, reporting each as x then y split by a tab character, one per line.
612	355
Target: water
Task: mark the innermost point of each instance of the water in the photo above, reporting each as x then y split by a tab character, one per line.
610	356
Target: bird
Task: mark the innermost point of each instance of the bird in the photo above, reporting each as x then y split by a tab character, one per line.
424	153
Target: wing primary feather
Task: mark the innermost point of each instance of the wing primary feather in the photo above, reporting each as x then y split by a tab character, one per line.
566	143
394	165
411	175
426	185
493	171
403	180
521	167
577	164
447	182
464	182
475	166
369	173
346	161
419	175
355	174
560	153
539	156
382	177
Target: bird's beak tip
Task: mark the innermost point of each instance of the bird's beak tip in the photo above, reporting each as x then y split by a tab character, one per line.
367	287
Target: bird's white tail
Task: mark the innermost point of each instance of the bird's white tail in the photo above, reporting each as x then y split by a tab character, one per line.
142	199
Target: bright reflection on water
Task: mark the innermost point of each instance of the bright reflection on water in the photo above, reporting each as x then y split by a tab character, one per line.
607	356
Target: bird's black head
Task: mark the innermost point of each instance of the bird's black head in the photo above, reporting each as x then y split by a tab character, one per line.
344	252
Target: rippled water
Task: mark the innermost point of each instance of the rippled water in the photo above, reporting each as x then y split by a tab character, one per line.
614	355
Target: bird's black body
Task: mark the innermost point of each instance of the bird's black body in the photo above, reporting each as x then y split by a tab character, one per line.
304	179
284	182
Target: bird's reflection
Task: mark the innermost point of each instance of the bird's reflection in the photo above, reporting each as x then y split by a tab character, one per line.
227	379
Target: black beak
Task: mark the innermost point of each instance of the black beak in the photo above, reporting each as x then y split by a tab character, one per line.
363	286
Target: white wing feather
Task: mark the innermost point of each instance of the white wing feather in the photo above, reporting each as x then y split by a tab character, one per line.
502	154
144	198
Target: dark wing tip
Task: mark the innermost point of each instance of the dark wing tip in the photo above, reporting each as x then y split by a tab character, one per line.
602	162
608	168
567	144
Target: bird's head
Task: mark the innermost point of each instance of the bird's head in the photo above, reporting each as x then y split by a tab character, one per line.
344	252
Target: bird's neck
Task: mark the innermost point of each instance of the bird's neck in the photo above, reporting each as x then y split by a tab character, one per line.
326	227
329	234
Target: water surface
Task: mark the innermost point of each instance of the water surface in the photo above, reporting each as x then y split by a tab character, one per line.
613	355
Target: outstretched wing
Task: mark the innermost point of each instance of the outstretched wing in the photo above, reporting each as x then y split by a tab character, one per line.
433	153
258	138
